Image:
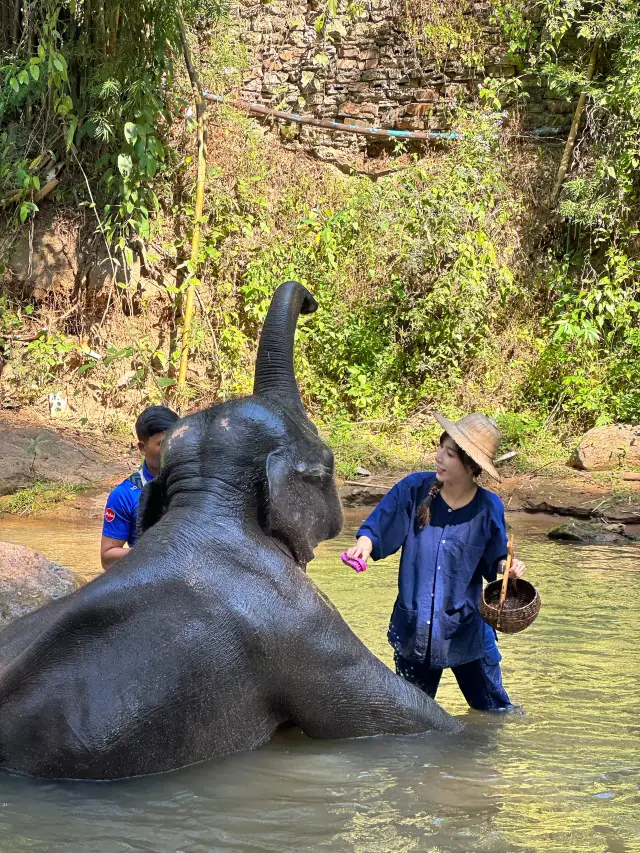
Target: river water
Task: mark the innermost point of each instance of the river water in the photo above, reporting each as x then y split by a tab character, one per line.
563	776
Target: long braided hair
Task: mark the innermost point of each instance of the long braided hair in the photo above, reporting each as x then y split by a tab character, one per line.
423	513
424	510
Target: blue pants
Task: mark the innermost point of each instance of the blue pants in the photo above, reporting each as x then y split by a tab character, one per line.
479	680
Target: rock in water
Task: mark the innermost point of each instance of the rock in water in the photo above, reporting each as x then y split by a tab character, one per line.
583	533
28	580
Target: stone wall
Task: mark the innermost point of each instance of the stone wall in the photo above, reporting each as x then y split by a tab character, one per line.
369	72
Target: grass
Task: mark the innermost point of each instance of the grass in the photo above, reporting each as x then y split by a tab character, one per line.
393	448
39	497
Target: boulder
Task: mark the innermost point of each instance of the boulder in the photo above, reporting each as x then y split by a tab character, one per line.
584	533
42	455
351	495
608	447
28	580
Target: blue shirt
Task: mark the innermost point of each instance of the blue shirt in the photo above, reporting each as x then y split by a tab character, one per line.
121	512
436	617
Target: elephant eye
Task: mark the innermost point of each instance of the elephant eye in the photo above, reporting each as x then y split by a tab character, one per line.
313	473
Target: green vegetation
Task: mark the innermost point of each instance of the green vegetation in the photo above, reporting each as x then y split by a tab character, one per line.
445	29
588	368
41	496
447	284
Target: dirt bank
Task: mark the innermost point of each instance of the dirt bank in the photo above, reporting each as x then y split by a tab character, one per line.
563	492
572	494
558	490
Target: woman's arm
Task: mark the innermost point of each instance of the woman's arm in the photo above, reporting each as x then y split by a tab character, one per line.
495	554
387	526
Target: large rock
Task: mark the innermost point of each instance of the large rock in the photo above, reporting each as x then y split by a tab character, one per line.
351	495
583	533
41	455
28	580
608	447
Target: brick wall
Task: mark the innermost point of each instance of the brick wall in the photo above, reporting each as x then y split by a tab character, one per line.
372	73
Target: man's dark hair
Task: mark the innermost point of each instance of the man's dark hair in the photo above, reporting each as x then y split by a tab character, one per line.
153	420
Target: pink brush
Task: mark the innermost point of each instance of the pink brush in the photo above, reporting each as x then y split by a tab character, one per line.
356	563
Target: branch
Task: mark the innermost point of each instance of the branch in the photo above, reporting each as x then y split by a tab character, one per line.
571	139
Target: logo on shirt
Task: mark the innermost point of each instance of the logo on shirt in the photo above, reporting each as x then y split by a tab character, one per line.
109	514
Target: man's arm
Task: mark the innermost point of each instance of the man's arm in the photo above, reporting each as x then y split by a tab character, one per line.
116	528
111	550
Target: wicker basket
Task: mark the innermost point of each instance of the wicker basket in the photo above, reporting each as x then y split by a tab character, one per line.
520	608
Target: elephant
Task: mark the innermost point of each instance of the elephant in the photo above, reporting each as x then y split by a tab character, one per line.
208	635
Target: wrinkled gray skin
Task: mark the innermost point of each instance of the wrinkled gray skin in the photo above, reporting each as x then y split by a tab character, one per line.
209	635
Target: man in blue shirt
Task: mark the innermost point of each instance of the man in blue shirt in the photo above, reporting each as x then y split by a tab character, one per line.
121	512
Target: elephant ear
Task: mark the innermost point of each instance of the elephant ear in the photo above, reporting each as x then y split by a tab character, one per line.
151	506
296	504
288	515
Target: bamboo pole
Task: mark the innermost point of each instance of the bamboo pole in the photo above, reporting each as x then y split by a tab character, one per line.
5	23
259	109
101	30
113	31
199	205
571	139
15	28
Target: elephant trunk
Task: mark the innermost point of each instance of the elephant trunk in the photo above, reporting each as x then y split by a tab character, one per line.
274	365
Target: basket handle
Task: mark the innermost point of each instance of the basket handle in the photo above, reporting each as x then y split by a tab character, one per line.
507	569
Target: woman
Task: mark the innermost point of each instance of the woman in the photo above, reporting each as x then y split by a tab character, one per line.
452	533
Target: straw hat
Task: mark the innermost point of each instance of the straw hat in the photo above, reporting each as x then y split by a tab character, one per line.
478	436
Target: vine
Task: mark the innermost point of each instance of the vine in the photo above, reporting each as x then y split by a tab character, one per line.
445	29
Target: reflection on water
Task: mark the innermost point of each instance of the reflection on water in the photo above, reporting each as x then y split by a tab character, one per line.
563	777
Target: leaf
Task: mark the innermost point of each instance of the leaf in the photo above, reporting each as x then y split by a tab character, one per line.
321	59
71	132
318	24
35	72
164	381
23	77
14	84
332	7
58	64
125	378
125	165
307	78
130	132
336	28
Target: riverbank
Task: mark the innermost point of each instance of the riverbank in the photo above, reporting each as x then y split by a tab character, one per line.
559	492
570	493
103	460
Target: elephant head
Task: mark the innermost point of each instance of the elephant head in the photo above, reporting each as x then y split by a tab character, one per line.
258	457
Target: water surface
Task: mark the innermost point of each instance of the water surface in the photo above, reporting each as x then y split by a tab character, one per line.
564	776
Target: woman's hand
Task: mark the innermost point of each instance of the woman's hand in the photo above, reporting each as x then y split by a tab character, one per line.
517	569
361	549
